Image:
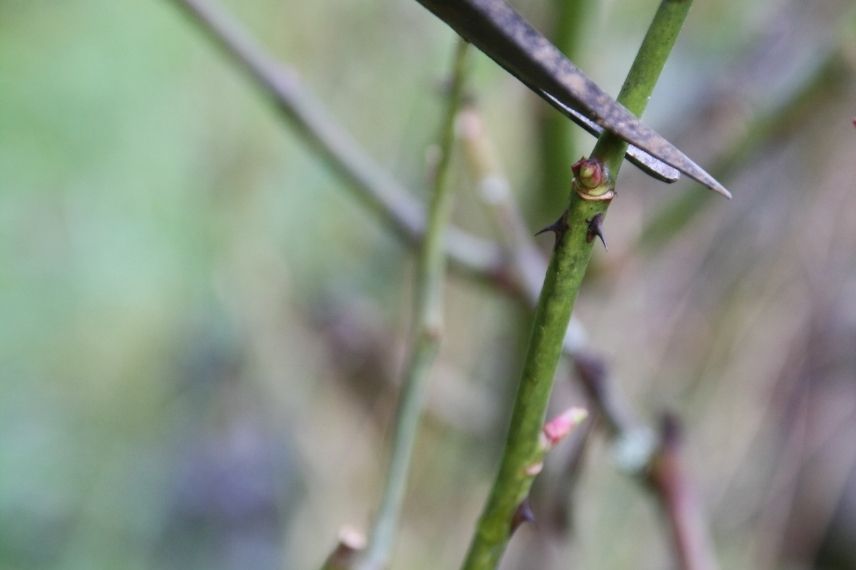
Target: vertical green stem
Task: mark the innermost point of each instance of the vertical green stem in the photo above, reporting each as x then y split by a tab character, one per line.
561	285
427	329
556	131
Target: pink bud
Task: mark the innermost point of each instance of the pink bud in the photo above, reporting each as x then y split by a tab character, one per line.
559	427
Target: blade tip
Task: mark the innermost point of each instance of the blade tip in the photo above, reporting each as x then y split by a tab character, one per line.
722	190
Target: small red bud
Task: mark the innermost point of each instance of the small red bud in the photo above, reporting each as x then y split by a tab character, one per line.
589	172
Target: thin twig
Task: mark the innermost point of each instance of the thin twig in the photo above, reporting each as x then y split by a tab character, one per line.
370	182
527	265
567	267
494	191
427	330
656	463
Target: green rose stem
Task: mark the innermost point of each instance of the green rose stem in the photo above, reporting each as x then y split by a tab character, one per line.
427	329
565	274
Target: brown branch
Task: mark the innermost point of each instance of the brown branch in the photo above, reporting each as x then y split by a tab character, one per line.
679	504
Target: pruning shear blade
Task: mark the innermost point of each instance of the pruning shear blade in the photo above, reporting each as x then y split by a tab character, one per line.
505	36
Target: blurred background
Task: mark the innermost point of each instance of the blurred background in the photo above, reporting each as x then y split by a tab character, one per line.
202	328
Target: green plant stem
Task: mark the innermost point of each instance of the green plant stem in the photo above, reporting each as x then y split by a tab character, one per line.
426	334
561	285
658	467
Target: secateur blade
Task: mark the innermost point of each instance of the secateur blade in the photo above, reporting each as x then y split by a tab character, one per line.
496	29
638	157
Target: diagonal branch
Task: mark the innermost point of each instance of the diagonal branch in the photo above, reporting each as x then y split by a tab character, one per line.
371	184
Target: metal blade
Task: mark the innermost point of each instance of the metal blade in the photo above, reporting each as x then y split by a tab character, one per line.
506	37
638	157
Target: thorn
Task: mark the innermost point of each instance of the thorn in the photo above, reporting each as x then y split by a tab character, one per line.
556	227
523	514
559	227
595	228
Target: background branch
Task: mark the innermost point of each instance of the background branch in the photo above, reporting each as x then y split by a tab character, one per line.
679	504
425	342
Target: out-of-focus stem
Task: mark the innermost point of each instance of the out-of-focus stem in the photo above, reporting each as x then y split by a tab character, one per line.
556	131
561	285
528	264
678	502
427	329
